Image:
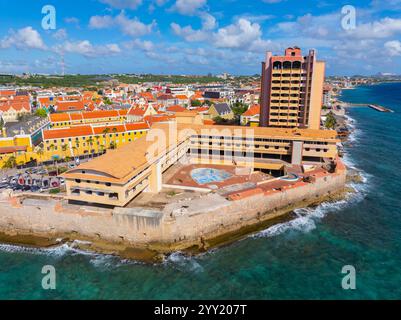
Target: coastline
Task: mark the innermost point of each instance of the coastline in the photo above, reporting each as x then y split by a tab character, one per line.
158	252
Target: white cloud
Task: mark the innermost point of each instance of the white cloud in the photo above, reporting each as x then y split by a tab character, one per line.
238	35
101	22
144	45
25	38
132	27
189	34
87	49
393	48
380	29
72	20
123	4
243	34
189	7
60	34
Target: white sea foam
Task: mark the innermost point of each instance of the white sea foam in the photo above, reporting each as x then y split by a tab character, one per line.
183	262
306	218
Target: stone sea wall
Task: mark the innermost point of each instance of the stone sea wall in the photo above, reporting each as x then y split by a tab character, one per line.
179	226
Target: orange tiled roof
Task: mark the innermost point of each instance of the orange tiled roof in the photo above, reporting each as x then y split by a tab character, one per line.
136	126
181	97
59	117
67	132
159	118
137	111
100	114
117	128
63	106
8	92
176	108
252	111
6	150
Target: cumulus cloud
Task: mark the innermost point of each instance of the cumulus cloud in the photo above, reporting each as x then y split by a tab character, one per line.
189	7
393	48
101	22
87	49
25	38
242	34
380	29
237	35
123	4
60	34
144	45
132	27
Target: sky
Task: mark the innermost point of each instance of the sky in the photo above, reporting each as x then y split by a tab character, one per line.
196	36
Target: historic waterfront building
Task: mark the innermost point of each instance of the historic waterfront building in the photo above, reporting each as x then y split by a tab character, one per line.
120	175
292	90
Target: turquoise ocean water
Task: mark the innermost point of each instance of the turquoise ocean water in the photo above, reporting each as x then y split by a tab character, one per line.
301	259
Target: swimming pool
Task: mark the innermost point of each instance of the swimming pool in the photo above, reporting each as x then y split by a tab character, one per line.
209	175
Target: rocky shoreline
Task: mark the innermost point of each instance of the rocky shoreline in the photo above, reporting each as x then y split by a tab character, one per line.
157	252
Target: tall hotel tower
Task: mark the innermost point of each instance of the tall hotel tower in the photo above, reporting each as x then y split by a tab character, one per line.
292	90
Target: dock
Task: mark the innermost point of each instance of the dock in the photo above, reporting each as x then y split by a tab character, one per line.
380	108
372	106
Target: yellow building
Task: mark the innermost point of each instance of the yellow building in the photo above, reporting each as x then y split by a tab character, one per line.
19	140
120	175
221	110
89	139
61	120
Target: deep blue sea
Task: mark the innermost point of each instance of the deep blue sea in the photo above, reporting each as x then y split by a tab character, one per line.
301	259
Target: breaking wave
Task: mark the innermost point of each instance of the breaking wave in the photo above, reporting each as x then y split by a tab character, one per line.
98	260
306	218
183	262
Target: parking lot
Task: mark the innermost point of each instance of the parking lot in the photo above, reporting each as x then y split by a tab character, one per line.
36	180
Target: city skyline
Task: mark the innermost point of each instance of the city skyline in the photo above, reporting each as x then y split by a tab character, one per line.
195	36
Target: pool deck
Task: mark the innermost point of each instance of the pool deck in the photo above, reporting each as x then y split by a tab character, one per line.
182	177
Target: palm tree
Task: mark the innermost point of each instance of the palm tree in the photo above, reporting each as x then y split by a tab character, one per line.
90	142
64	148
40	152
10	163
101	148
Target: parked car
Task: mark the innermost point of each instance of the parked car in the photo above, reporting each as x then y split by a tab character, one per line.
36	189
26	188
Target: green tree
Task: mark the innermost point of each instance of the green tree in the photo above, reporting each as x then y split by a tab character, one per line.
41	113
331	121
239	108
196	103
10	163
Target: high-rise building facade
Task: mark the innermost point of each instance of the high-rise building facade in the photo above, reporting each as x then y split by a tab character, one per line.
292	90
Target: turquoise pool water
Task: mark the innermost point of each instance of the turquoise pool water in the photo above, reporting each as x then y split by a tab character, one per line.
209	175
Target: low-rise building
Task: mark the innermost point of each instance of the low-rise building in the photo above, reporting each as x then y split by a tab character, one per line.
221	110
59	120
251	116
90	139
119	176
